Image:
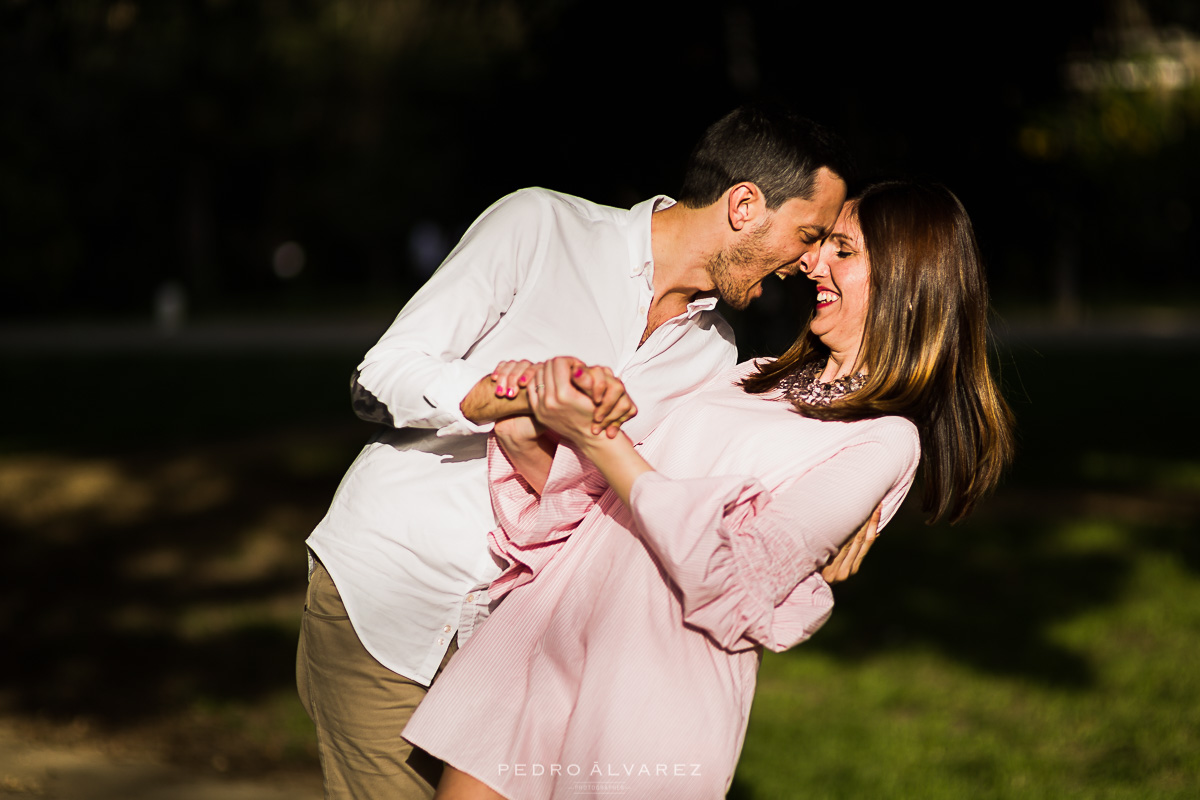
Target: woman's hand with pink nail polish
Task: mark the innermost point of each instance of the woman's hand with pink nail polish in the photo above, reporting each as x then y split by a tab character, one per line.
512	377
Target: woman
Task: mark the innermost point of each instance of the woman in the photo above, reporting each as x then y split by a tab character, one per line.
626	664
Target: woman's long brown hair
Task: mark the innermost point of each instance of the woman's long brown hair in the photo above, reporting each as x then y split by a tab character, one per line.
924	344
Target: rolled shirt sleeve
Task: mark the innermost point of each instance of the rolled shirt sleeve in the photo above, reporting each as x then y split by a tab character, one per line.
453	382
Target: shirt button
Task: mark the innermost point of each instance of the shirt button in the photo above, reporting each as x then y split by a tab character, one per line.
445	629
642	311
470	598
441	640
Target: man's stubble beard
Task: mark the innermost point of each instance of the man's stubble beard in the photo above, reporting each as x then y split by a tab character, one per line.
726	267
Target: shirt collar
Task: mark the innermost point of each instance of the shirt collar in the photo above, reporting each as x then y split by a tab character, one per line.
643	253
642	262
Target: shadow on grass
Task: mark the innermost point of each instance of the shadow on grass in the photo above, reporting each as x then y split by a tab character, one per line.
983	596
141	584
740	790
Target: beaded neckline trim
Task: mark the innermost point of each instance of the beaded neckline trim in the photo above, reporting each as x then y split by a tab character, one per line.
802	385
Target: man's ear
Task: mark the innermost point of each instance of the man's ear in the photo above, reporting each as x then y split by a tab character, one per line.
746	204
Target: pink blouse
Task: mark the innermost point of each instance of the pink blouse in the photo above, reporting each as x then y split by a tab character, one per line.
628	638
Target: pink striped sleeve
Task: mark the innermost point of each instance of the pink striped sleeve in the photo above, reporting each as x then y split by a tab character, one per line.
532	528
745	561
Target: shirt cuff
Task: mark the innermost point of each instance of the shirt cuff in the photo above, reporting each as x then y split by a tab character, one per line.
446	394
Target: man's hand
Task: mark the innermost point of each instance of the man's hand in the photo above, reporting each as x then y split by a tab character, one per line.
850	557
489	400
613	406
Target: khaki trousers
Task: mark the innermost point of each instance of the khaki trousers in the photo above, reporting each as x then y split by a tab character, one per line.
359	707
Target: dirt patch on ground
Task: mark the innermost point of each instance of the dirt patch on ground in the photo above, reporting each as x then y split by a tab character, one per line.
71	767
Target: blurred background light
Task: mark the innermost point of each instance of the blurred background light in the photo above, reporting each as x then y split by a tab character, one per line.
288	260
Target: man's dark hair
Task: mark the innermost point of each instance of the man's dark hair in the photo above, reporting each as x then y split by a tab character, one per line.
772	147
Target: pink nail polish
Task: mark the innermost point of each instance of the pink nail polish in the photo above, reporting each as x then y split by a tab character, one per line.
578	372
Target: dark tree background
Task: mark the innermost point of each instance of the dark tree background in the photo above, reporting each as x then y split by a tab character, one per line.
184	141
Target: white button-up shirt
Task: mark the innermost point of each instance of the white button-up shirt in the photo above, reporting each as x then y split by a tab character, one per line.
539	274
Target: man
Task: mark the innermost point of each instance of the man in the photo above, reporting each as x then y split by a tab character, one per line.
401	560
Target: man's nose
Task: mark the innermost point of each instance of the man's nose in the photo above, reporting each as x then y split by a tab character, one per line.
808	261
813	265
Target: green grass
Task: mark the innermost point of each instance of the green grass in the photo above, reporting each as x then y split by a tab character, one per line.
914	720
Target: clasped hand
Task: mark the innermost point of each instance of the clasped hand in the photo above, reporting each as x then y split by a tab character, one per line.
567	396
